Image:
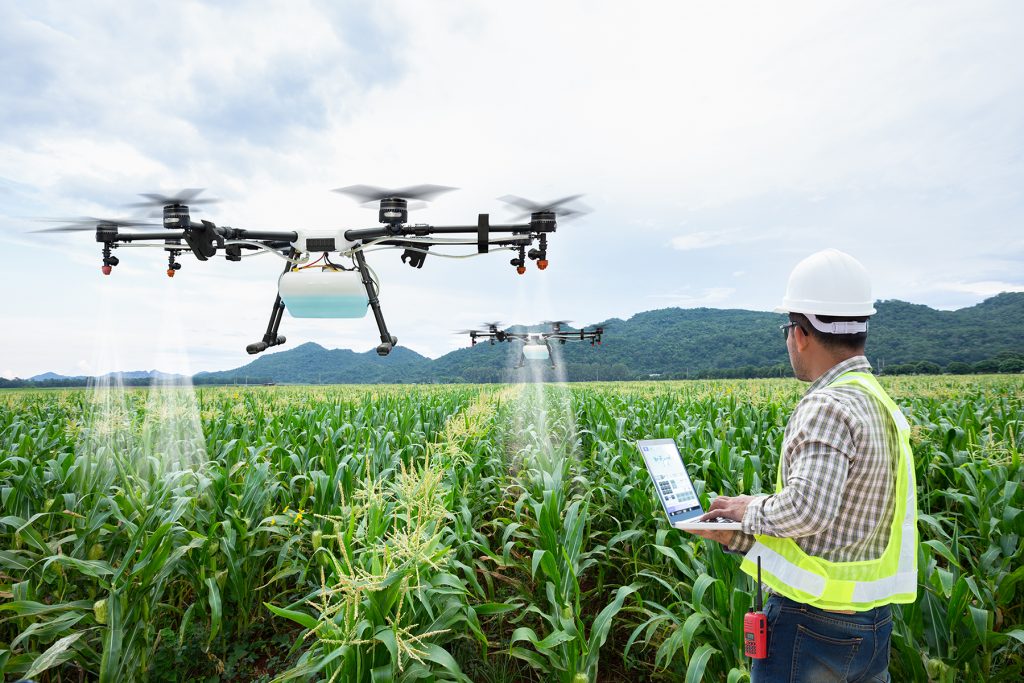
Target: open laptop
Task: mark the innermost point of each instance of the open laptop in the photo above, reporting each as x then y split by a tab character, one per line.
672	482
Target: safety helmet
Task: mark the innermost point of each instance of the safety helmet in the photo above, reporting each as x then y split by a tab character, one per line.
829	282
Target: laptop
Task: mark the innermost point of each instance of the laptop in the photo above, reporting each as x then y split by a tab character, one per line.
672	482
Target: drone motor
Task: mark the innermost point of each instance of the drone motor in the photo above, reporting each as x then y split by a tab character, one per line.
176	217
394	211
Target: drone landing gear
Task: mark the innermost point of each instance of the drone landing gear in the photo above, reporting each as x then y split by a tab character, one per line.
388	342
271	337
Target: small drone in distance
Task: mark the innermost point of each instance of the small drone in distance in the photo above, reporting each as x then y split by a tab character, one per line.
311	287
536	345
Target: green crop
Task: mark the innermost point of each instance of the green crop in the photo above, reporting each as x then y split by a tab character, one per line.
459	533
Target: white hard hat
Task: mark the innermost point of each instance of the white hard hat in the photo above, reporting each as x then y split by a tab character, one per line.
829	282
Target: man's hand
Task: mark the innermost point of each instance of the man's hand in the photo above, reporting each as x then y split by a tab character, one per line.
730	507
723	537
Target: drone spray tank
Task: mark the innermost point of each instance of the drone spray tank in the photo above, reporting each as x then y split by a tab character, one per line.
536	351
323	293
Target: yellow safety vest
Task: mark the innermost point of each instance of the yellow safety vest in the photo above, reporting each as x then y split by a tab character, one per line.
786	569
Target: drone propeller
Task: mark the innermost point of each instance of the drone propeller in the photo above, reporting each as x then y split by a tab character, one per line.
186	197
89	223
367	194
557	206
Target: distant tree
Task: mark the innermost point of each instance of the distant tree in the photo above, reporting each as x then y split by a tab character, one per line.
988	365
959	368
480	375
618	371
1011	365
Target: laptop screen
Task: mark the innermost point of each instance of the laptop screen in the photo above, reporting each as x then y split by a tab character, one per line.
671	480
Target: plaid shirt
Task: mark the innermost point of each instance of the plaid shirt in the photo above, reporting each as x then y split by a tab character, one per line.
838	465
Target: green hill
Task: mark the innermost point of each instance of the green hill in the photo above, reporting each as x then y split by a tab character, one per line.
678	343
313	364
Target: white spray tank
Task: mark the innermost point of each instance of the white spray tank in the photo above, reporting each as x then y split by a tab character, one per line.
536	352
323	293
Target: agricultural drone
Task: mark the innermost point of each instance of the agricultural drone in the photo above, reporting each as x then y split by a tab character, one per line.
536	345
312	287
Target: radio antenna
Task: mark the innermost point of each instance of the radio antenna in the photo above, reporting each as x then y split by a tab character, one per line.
760	604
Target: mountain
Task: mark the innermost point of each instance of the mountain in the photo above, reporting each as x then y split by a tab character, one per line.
130	374
47	376
674	343
311	363
143	374
666	343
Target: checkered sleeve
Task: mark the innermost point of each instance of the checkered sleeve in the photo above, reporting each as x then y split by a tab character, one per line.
741	542
818	451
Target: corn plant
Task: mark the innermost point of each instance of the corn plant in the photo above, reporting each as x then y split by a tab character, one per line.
457	533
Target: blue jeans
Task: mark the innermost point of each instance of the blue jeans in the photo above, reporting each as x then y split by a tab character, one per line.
806	644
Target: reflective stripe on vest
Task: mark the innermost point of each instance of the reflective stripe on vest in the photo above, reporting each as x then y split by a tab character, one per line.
860	585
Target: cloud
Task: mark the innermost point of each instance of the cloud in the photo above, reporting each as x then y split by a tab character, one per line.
718	238
710	296
984	289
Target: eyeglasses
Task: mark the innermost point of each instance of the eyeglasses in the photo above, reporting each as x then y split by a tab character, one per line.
787	327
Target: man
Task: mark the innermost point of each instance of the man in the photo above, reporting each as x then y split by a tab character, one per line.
837	540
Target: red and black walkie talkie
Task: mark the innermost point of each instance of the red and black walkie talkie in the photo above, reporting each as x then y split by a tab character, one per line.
755	626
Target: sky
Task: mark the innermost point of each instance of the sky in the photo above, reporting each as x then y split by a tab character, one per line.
717	144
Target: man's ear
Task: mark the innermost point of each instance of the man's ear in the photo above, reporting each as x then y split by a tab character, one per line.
801	339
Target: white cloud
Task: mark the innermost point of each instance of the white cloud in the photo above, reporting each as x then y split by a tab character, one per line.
719	238
711	296
985	289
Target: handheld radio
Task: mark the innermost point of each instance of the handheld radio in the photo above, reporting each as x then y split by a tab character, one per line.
755	626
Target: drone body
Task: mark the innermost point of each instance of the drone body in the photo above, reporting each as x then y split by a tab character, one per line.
536	345
322	288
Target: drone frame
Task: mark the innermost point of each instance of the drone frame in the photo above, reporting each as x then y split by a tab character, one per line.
204	240
493	334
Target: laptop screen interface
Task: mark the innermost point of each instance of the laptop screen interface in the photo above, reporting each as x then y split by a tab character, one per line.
671	480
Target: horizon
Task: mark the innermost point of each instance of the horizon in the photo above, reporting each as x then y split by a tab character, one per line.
370	351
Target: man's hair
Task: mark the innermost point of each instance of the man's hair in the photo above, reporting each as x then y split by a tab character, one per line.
833	342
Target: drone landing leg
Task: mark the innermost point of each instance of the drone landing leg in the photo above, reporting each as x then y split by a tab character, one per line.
270	337
387	341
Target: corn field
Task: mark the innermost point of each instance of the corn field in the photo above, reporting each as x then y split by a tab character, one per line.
461	533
